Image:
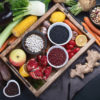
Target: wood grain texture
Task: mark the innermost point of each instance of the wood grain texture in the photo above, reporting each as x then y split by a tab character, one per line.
55	75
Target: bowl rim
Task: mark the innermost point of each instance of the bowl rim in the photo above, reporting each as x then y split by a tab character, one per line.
19	90
67	56
36	32
90	14
62	24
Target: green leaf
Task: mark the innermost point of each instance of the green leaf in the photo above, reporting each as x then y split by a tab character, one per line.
1	7
18	3
46	3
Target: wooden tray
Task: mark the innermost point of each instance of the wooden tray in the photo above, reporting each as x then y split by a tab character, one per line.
58	72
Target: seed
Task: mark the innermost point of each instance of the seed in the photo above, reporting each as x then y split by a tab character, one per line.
34	43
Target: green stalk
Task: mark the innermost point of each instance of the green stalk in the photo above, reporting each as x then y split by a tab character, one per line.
71	2
7	32
19	12
16	9
20	16
76	9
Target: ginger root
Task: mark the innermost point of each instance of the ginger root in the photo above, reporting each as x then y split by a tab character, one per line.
92	61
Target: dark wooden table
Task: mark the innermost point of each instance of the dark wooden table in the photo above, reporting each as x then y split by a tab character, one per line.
92	90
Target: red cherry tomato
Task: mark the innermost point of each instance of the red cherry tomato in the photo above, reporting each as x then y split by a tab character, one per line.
76	50
71	55
69	51
72	42
69	46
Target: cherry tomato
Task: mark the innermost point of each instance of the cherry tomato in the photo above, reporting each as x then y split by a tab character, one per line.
76	50
72	42
69	46
69	51
71	55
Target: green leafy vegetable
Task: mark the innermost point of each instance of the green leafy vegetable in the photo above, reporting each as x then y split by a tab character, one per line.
7	32
18	4
36	83
29	8
46	2
70	2
85	6
67	2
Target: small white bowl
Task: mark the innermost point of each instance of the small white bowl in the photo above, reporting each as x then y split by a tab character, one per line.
61	24
19	91
67	56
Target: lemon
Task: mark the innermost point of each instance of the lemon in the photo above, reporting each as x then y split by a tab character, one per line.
23	71
57	16
81	40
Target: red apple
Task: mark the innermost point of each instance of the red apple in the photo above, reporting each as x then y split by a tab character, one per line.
17	57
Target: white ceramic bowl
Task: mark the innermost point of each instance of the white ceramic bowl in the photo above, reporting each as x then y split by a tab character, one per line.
61	24
19	91
67	57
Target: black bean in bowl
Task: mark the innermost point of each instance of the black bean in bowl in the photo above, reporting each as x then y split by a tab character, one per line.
34	42
95	15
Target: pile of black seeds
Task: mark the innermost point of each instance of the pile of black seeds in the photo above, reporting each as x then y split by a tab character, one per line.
59	34
12	89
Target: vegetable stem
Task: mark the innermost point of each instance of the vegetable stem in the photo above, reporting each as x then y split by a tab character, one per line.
16	9
71	2
76	9
20	16
7	32
18	12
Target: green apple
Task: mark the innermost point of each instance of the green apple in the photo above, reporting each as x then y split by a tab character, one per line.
17	57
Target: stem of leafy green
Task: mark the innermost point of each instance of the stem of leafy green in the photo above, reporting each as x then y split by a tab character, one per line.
7	32
20	16
18	13
71	2
46	2
76	9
